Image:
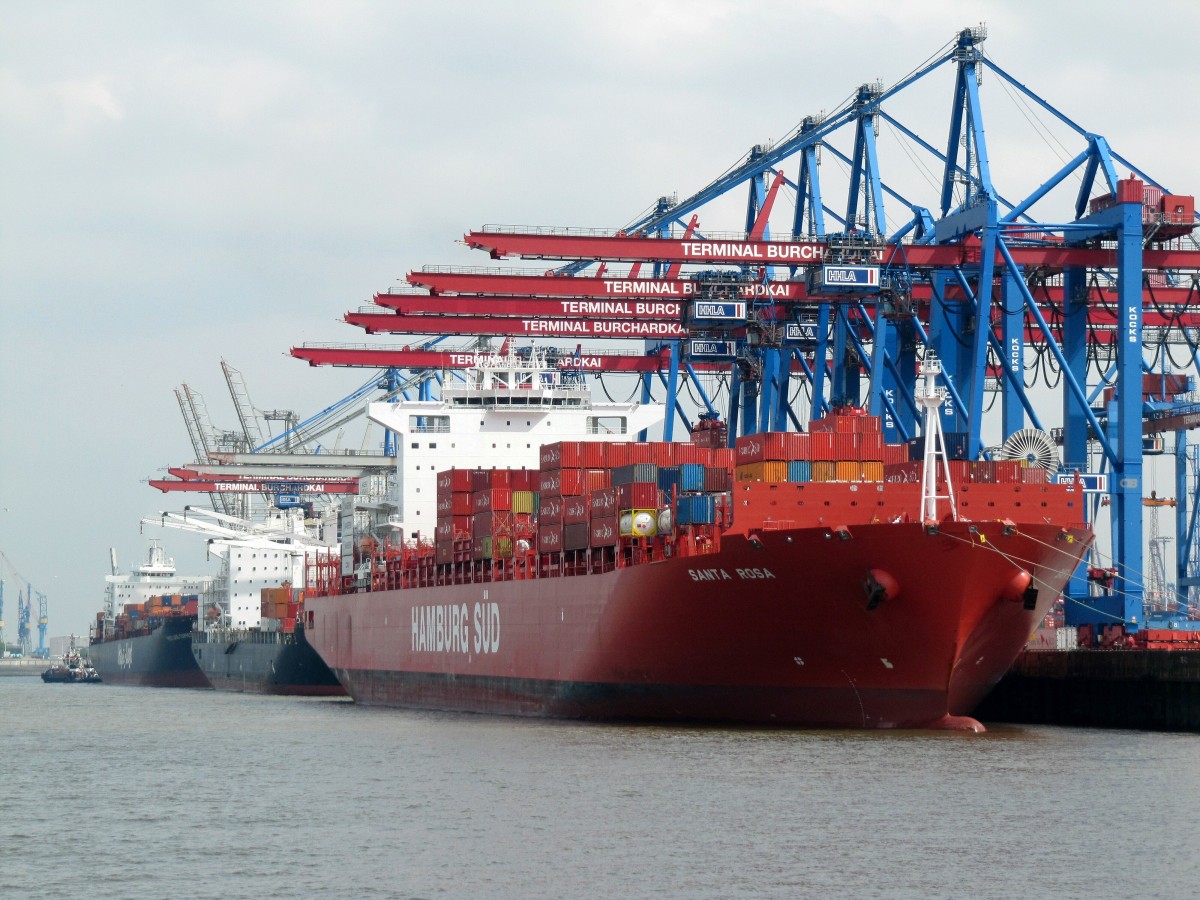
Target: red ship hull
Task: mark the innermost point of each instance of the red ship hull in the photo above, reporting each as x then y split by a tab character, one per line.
773	629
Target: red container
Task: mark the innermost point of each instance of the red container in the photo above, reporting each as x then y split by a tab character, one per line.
452	480
724	456
551	510
717	478
524	525
456	504
691	453
574	510
604	503
523	479
1131	190
575	537
895	453
572	455
616	453
550	538
799	445
637	495
870	447
492	523
492	499
664	453
482	479
823	446
1034	475
603	532
550	483
845	445
640	452
571	482
596	480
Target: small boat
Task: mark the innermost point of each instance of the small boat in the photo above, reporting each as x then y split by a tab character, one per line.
73	668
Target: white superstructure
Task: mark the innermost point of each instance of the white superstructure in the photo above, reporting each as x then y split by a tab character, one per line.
154	578
498	417
254	555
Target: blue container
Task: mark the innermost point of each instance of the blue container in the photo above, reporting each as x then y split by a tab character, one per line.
668	478
800	471
696	509
691	477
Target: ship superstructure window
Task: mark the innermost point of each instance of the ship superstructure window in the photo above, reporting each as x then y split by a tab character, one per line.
432	424
607	425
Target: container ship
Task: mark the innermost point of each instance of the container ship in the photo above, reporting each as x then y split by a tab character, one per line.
273	657
814	579
143	634
236	631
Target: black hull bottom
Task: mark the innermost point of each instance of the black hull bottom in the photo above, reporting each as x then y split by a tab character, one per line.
784	707
263	663
162	658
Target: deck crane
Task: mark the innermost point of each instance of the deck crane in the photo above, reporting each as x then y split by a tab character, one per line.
985	282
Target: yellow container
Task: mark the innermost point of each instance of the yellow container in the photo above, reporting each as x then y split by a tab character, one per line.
773	471
872	471
522	502
848	471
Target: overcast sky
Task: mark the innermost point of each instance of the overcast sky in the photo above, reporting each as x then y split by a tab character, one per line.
184	183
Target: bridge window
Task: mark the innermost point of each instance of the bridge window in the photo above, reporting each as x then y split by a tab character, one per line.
418	424
606	425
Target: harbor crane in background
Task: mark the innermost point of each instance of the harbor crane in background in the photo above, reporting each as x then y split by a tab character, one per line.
24	638
43	622
1081	287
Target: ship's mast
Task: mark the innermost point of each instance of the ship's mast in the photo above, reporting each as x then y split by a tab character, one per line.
930	396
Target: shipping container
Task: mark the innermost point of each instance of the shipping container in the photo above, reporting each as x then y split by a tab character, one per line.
575	510
551	510
575	536
637	495
635	472
603	503
800	471
524	501
602	532
717	478
771	471
454	480
696	509
550	538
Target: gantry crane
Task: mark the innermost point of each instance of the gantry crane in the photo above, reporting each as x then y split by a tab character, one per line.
847	305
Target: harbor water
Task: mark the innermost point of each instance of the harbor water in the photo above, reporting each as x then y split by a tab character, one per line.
120	792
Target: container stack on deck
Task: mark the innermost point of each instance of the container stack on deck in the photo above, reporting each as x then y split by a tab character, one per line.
596	505
142	618
279	607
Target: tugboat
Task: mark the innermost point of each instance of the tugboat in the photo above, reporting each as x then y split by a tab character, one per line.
73	668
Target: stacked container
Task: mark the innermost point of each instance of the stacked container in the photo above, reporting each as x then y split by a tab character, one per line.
455	515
